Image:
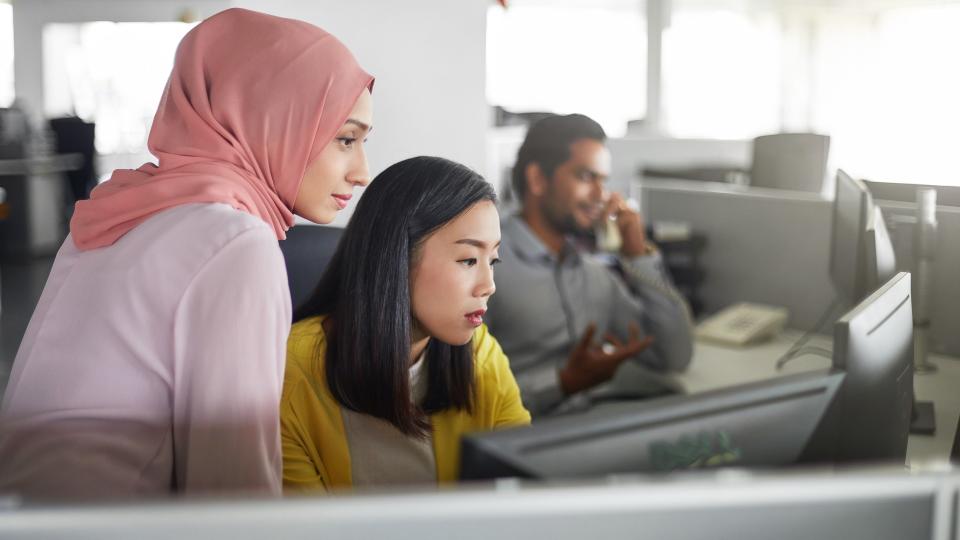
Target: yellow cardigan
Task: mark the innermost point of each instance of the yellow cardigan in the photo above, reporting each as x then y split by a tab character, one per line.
315	449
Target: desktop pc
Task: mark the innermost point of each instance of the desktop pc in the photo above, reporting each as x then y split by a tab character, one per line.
873	345
861	258
861	253
857	412
761	424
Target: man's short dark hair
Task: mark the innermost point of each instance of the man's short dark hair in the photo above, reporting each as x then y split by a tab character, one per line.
548	145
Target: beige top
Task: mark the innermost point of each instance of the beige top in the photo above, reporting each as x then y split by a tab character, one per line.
380	454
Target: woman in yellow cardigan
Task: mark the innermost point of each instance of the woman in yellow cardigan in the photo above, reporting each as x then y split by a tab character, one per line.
389	362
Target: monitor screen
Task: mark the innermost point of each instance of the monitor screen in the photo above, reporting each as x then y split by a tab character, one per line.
955	450
880	263
762	424
861	253
858	412
847	236
873	345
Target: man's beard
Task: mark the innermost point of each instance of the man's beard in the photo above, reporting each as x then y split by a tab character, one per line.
562	220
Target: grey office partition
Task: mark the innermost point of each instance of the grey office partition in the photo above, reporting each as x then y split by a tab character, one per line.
848	505
763	245
773	247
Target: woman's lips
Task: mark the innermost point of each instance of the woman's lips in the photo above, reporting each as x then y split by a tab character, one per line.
476	317
341	200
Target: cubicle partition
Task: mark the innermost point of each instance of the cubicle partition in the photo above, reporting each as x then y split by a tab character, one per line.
773	247
945	300
763	245
849	505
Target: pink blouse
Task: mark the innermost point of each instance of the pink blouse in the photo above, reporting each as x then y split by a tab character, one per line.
153	365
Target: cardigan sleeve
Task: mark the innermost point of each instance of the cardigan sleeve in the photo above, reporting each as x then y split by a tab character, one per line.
316	452
230	333
303	469
507	407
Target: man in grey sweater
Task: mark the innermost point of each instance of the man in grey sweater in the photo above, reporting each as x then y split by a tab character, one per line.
566	320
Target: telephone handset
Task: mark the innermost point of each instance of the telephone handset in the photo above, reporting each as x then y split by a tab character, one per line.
743	323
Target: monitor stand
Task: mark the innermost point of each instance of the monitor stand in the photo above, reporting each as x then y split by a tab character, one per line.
923	421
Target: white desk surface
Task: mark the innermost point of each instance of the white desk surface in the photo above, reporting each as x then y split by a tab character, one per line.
717	366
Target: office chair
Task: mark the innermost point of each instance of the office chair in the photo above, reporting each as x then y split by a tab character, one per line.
955	451
306	252
73	135
795	161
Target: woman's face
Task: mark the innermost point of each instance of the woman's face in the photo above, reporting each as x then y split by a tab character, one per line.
452	277
342	165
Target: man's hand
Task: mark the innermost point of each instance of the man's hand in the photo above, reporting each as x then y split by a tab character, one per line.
630	224
591	365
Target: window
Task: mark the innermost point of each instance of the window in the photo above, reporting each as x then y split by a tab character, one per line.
119	87
887	92
568	56
6	54
721	71
877	76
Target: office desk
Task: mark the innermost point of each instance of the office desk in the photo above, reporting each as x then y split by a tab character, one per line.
717	366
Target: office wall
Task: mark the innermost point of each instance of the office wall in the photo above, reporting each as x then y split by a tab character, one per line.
429	60
773	247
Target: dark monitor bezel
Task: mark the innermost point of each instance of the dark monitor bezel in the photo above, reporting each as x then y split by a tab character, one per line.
874	425
507	453
847	268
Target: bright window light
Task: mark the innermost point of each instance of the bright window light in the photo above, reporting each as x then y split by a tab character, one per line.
112	74
6	54
567	57
721	73
888	93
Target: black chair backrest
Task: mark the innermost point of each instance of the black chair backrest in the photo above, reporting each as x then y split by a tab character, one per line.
74	135
307	251
955	452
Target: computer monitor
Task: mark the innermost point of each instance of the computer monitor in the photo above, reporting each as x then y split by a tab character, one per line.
857	412
761	424
873	345
861	253
879	260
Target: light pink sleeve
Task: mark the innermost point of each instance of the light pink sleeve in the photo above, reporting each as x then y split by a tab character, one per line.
230	338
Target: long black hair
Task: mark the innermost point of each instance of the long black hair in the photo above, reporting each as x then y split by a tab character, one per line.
366	291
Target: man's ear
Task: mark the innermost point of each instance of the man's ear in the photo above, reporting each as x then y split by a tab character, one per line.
536	181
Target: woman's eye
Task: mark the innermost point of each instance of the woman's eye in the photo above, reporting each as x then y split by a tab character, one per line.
468	262
495	261
347	141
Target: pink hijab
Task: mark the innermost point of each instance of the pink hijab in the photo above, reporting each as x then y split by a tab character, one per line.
251	101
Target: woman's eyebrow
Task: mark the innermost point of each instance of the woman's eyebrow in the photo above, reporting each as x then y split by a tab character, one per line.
476	243
366	127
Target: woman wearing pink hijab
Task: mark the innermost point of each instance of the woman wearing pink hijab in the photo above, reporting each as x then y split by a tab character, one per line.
154	359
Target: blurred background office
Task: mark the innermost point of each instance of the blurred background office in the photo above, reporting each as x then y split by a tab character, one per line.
684	88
